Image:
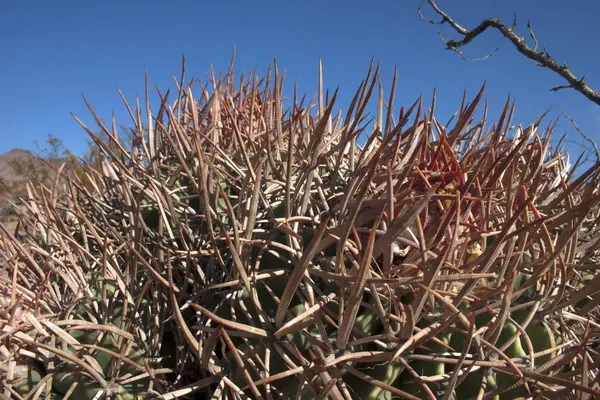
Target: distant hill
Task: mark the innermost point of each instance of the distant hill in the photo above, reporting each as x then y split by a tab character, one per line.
17	167
6	170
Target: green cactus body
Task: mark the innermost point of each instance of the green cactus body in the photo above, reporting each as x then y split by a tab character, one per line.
407	383
515	350
539	336
425	368
288	385
66	374
540	339
493	384
458	340
243	296
88	390
151	216
470	386
369	323
586	277
520	281
387	373
298	338
483	319
35	373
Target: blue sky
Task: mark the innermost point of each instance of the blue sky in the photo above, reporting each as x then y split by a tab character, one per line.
55	52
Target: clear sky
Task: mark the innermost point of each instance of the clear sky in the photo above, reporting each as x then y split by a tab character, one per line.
53	52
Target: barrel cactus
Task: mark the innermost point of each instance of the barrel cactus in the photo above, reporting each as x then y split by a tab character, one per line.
250	247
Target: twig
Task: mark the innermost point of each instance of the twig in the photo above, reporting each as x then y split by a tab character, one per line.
464	57
542	58
581	132
532	35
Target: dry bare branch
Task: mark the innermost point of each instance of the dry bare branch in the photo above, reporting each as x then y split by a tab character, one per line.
541	58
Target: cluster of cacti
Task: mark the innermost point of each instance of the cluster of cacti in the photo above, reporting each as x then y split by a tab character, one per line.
246	250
